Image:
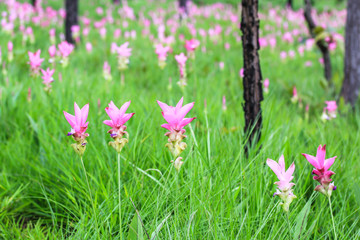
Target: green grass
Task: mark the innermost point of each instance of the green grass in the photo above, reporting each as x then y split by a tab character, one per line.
219	194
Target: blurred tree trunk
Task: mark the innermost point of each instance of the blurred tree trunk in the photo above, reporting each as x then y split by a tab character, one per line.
322	45
290	4
351	84
183	7
71	19
116	1
253	94
33	2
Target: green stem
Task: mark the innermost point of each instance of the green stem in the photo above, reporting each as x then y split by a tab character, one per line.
119	183
332	217
288	222
91	198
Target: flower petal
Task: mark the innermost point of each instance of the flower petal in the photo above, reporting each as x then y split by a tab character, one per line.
167	126
282	164
312	160
185	122
70	118
179	104
84	114
184	110
126	118
109	123
77	114
163	106
123	108
274	167
320	155
329	162
289	172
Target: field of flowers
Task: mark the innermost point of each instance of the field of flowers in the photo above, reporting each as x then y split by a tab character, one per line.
136	131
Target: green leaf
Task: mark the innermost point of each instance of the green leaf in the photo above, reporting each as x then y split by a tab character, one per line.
135	229
301	219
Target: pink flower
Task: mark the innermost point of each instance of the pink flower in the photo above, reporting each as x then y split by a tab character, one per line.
118	118
52	51
181	59
52	32
221	65
241	72
284	176
224	103
321	170
272	42
295	96
88	47
227	46
65	49
47	76
75	29
284	190
124	50
107	71
35	60
78	122
266	85
175	116
283	55
192	44
331	108
308	64
162	51
10	46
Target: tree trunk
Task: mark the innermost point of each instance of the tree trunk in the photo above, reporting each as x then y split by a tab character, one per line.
71	18
253	94
351	84
33	2
183	8
116	1
322	45
183	5
290	4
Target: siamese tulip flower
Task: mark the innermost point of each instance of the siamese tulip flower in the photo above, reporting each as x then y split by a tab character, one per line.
65	50
266	85
10	51
52	35
48	79
107	71
52	53
181	60
35	61
295	97
285	185
224	103
124	52
331	108
118	118
321	171
191	46
78	127
175	116
162	51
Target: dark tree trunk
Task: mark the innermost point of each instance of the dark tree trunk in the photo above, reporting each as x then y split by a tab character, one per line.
322	45
290	4
183	6
351	84
71	18
116	1
33	2
253	94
